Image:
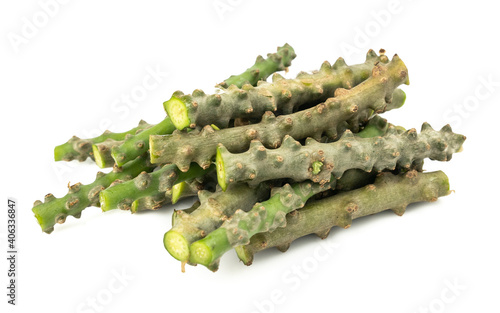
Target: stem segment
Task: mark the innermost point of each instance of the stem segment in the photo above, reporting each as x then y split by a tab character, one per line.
136	145
263	68
281	95
146	184
385	152
395	149
80	149
55	210
389	192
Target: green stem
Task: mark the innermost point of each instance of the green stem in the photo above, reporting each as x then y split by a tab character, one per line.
185	188
55	210
282	95
260	164
80	149
263	68
136	145
389	192
146	184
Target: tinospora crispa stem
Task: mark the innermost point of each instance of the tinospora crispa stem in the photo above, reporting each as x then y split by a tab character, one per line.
81	149
388	192
55	210
263	68
317	161
281	95
122	195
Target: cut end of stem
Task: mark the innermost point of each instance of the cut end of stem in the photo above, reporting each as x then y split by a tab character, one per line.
59	153
152	147
398	99
445	184
221	172
177	191
200	253
316	167
104	201
176	245
178	112
43	219
39	219
98	157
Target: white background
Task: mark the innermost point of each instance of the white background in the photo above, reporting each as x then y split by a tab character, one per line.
68	77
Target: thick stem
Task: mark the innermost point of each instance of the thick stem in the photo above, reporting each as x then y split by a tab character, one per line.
55	210
281	95
389	192
263	68
349	152
347	110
